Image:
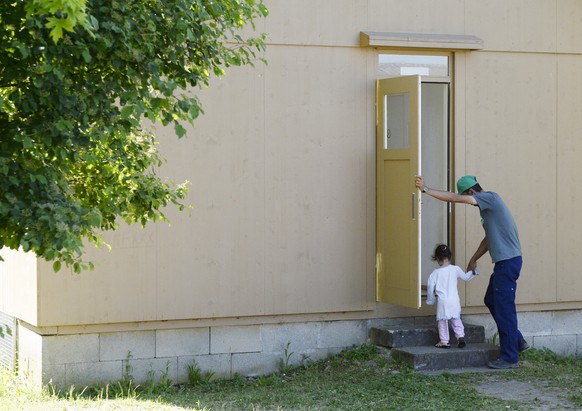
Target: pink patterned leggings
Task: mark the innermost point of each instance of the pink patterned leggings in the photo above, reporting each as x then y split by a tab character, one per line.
457	326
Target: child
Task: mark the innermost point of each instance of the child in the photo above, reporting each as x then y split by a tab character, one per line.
442	286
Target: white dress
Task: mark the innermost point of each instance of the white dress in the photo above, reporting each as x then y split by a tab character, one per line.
442	288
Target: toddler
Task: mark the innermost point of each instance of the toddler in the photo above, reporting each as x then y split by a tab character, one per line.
442	288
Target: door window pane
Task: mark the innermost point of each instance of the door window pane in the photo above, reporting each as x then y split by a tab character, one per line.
395	65
396	121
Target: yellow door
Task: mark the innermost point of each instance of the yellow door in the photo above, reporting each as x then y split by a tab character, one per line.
398	200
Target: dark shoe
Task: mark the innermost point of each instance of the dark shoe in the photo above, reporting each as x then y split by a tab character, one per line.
502	365
461	343
442	345
522	345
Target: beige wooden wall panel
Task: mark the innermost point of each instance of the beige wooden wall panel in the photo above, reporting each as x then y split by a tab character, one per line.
417	16
569	29
122	286
217	255
316	192
569	196
321	22
510	145
514	25
18	285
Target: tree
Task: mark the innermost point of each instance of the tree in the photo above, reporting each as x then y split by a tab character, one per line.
74	152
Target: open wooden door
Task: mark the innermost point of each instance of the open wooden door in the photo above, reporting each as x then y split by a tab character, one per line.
398	200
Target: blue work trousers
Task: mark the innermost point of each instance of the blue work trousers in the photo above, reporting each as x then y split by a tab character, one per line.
500	299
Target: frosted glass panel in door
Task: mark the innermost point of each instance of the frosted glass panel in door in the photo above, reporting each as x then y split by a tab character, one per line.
396	121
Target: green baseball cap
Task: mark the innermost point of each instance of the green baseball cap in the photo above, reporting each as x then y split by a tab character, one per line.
465	183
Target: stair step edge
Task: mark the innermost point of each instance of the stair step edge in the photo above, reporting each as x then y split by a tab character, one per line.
432	358
410	336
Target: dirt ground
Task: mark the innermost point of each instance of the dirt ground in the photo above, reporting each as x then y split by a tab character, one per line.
537	395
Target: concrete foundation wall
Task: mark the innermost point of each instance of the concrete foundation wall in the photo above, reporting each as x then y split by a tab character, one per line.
559	331
100	358
250	350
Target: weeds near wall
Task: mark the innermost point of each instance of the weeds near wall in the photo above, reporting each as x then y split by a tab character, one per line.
545	355
196	376
151	387
285	362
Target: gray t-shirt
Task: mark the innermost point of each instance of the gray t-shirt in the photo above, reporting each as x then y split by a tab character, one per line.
499	225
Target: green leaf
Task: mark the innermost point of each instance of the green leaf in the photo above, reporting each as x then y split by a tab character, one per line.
23	49
93	23
263	9
46	68
94	219
126	112
86	56
56	266
180	131
157	102
56	28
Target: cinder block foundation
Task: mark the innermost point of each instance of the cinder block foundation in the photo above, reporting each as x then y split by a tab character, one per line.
559	331
100	358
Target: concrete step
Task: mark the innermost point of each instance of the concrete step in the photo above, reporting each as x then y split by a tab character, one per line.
432	358
411	336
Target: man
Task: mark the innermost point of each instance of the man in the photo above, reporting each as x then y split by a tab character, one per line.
502	242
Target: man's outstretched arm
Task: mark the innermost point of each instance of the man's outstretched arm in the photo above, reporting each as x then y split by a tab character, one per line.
444	195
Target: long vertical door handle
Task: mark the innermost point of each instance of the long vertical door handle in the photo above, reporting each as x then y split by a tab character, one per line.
414	206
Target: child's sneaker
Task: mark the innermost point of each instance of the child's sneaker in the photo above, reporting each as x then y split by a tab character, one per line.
441	344
461	343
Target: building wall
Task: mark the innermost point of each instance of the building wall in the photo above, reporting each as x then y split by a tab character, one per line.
283	190
282	170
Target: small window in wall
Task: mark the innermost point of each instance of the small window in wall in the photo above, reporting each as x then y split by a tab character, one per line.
395	65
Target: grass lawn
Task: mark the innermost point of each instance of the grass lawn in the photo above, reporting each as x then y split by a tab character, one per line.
363	378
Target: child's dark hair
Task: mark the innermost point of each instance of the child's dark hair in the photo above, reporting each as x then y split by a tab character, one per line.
442	252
